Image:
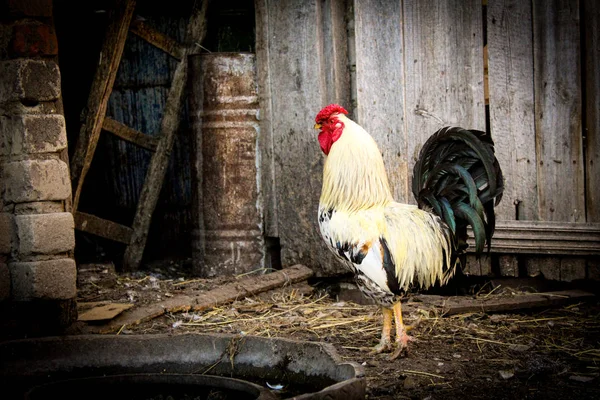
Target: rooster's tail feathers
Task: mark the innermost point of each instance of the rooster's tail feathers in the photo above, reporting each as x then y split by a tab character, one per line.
459	177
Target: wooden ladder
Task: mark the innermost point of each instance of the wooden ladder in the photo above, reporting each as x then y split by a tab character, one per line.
96	121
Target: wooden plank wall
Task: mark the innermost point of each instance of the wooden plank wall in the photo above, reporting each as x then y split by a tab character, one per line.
379	100
405	69
511	113
536	114
304	42
444	77
557	81
558	117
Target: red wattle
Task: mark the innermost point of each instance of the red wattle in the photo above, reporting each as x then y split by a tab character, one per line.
327	137
325	142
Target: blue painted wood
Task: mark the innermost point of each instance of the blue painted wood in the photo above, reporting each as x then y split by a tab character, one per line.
138	100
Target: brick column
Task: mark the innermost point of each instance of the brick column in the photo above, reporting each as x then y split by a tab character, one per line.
37	269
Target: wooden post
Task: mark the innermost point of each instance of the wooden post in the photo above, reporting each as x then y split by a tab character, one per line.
112	49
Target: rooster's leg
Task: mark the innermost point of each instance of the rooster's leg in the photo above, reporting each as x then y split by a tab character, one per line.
385	344
402	337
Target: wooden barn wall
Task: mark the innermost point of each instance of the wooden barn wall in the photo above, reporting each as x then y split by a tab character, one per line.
405	69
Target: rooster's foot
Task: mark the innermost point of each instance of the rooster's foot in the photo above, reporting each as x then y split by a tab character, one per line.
382	347
401	345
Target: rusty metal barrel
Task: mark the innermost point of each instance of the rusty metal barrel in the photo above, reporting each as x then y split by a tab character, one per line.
228	236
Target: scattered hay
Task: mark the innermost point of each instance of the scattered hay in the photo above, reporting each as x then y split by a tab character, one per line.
297	312
286	314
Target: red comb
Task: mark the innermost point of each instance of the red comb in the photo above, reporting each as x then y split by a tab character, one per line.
330	109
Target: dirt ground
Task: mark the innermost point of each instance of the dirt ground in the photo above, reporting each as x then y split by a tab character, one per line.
548	353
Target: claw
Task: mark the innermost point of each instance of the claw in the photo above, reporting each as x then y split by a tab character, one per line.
402	338
382	347
397	353
402	345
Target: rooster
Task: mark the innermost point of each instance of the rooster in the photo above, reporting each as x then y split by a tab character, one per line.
393	247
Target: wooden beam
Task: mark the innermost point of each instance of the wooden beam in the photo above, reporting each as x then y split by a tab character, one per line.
545	237
496	303
103	312
247	286
102	227
100	91
263	80
158	39
160	160
129	134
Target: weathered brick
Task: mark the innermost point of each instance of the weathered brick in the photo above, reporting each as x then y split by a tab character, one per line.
29	8
39	207
49	279
35	180
32	133
33	38
25	107
45	233
29	80
6	232
4	280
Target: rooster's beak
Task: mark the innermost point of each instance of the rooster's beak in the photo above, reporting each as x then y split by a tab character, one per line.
317	126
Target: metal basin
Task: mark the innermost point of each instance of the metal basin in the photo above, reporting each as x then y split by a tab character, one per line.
304	370
150	387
